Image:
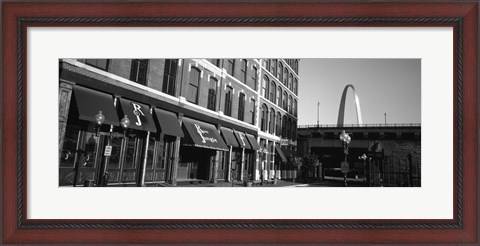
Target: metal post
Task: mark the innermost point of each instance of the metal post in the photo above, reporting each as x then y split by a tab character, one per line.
77	157
215	167
174	164
230	168
145	158
104	180
243	164
345	174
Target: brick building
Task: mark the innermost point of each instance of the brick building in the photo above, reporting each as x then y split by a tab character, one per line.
153	121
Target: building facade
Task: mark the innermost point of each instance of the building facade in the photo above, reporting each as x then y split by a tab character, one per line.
156	121
378	154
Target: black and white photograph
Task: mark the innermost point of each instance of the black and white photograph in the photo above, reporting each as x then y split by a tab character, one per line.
240	122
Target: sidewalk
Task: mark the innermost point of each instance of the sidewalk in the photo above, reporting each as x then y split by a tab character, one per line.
279	183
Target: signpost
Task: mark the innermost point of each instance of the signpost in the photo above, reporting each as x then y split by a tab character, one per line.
345	167
108	150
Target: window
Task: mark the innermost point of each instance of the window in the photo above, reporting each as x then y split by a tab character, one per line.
294	107
280	69
279	124
254	78
228	101
295	84
139	70
150	153
169	75
284	126
290	101
272	121
231	67
263	126
279	97
290	82
285	77
273	90
273	67
243	71
241	106
253	110
69	147
193	85
98	63
284	104
294	130
267	64
265	86
289	123
215	62
212	93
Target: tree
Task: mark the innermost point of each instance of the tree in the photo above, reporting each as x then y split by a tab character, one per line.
309	163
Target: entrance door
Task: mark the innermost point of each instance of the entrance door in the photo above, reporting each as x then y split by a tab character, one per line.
114	165
248	169
165	158
132	159
194	163
89	157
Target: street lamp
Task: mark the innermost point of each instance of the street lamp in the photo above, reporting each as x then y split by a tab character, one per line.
345	138
364	157
99	119
125	123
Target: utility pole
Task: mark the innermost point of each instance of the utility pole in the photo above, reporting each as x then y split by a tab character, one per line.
318	110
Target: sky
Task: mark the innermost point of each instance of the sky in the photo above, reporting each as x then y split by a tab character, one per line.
390	86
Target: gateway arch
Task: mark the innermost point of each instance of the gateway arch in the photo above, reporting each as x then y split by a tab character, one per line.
341	110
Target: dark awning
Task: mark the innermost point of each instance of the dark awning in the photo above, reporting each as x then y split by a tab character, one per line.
280	153
168	122
230	139
242	140
90	102
203	135
288	153
253	142
138	114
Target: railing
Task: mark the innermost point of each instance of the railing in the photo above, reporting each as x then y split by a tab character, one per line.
358	125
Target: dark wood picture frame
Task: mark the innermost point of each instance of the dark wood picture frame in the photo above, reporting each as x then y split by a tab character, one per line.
462	16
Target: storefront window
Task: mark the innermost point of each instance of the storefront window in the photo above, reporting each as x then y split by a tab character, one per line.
160	163
150	153
116	143
130	154
163	150
67	158
90	149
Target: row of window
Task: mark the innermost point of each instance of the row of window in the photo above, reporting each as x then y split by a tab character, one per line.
282	73
244	75
139	69
275	95
276	124
138	73
293	63
192	96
